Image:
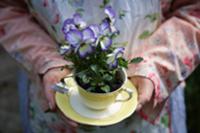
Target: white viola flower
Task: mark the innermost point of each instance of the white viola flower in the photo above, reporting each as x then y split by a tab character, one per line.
64	49
110	13
68	25
78	21
112	58
74	38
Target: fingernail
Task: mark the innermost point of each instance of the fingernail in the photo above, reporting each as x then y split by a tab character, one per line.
139	106
50	106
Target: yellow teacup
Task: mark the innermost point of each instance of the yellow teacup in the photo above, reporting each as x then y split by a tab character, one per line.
99	101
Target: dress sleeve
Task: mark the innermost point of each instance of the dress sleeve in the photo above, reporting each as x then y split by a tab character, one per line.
171	53
26	41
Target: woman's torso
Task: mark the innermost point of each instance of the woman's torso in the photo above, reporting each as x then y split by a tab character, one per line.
136	18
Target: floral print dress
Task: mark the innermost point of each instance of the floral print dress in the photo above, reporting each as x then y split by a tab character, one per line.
166	33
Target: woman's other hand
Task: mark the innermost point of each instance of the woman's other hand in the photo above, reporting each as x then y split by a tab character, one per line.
50	78
145	89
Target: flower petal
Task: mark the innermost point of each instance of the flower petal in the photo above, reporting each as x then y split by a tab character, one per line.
111	61
68	25
84	50
88	35
114	30
111	13
114	64
79	21
95	29
64	49
112	58
118	52
105	27
105	43
74	37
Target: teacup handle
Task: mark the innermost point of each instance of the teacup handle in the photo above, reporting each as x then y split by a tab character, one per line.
60	87
129	92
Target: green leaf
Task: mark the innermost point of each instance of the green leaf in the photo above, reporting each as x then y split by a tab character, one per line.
93	84
105	88
85	79
105	2
152	17
102	71
80	10
136	60
101	6
145	34
91	89
165	120
120	44
80	74
122	62
122	14
63	42
101	84
107	77
94	68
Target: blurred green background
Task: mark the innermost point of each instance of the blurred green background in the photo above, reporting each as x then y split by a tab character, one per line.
192	99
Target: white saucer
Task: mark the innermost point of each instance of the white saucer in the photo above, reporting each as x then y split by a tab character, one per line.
80	108
72	107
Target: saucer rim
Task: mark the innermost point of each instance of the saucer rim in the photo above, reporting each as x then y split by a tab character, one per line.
127	109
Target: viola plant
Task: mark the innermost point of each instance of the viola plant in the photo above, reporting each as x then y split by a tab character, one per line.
95	55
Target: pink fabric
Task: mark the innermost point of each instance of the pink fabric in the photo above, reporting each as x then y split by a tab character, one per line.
171	53
23	38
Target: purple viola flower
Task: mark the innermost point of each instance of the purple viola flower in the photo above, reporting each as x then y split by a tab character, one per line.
84	50
68	25
114	30
112	17
104	27
105	43
74	37
64	49
107	28
79	21
96	30
110	13
88	35
112	58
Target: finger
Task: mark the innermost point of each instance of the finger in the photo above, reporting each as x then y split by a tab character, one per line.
139	106
141	101
50	94
144	95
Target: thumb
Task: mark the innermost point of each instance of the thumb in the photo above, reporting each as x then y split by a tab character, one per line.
50	78
142	98
145	90
50	95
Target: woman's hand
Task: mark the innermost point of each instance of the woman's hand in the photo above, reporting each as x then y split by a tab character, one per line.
50	78
145	90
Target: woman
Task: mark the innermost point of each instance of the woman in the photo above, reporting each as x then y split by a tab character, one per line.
165	33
